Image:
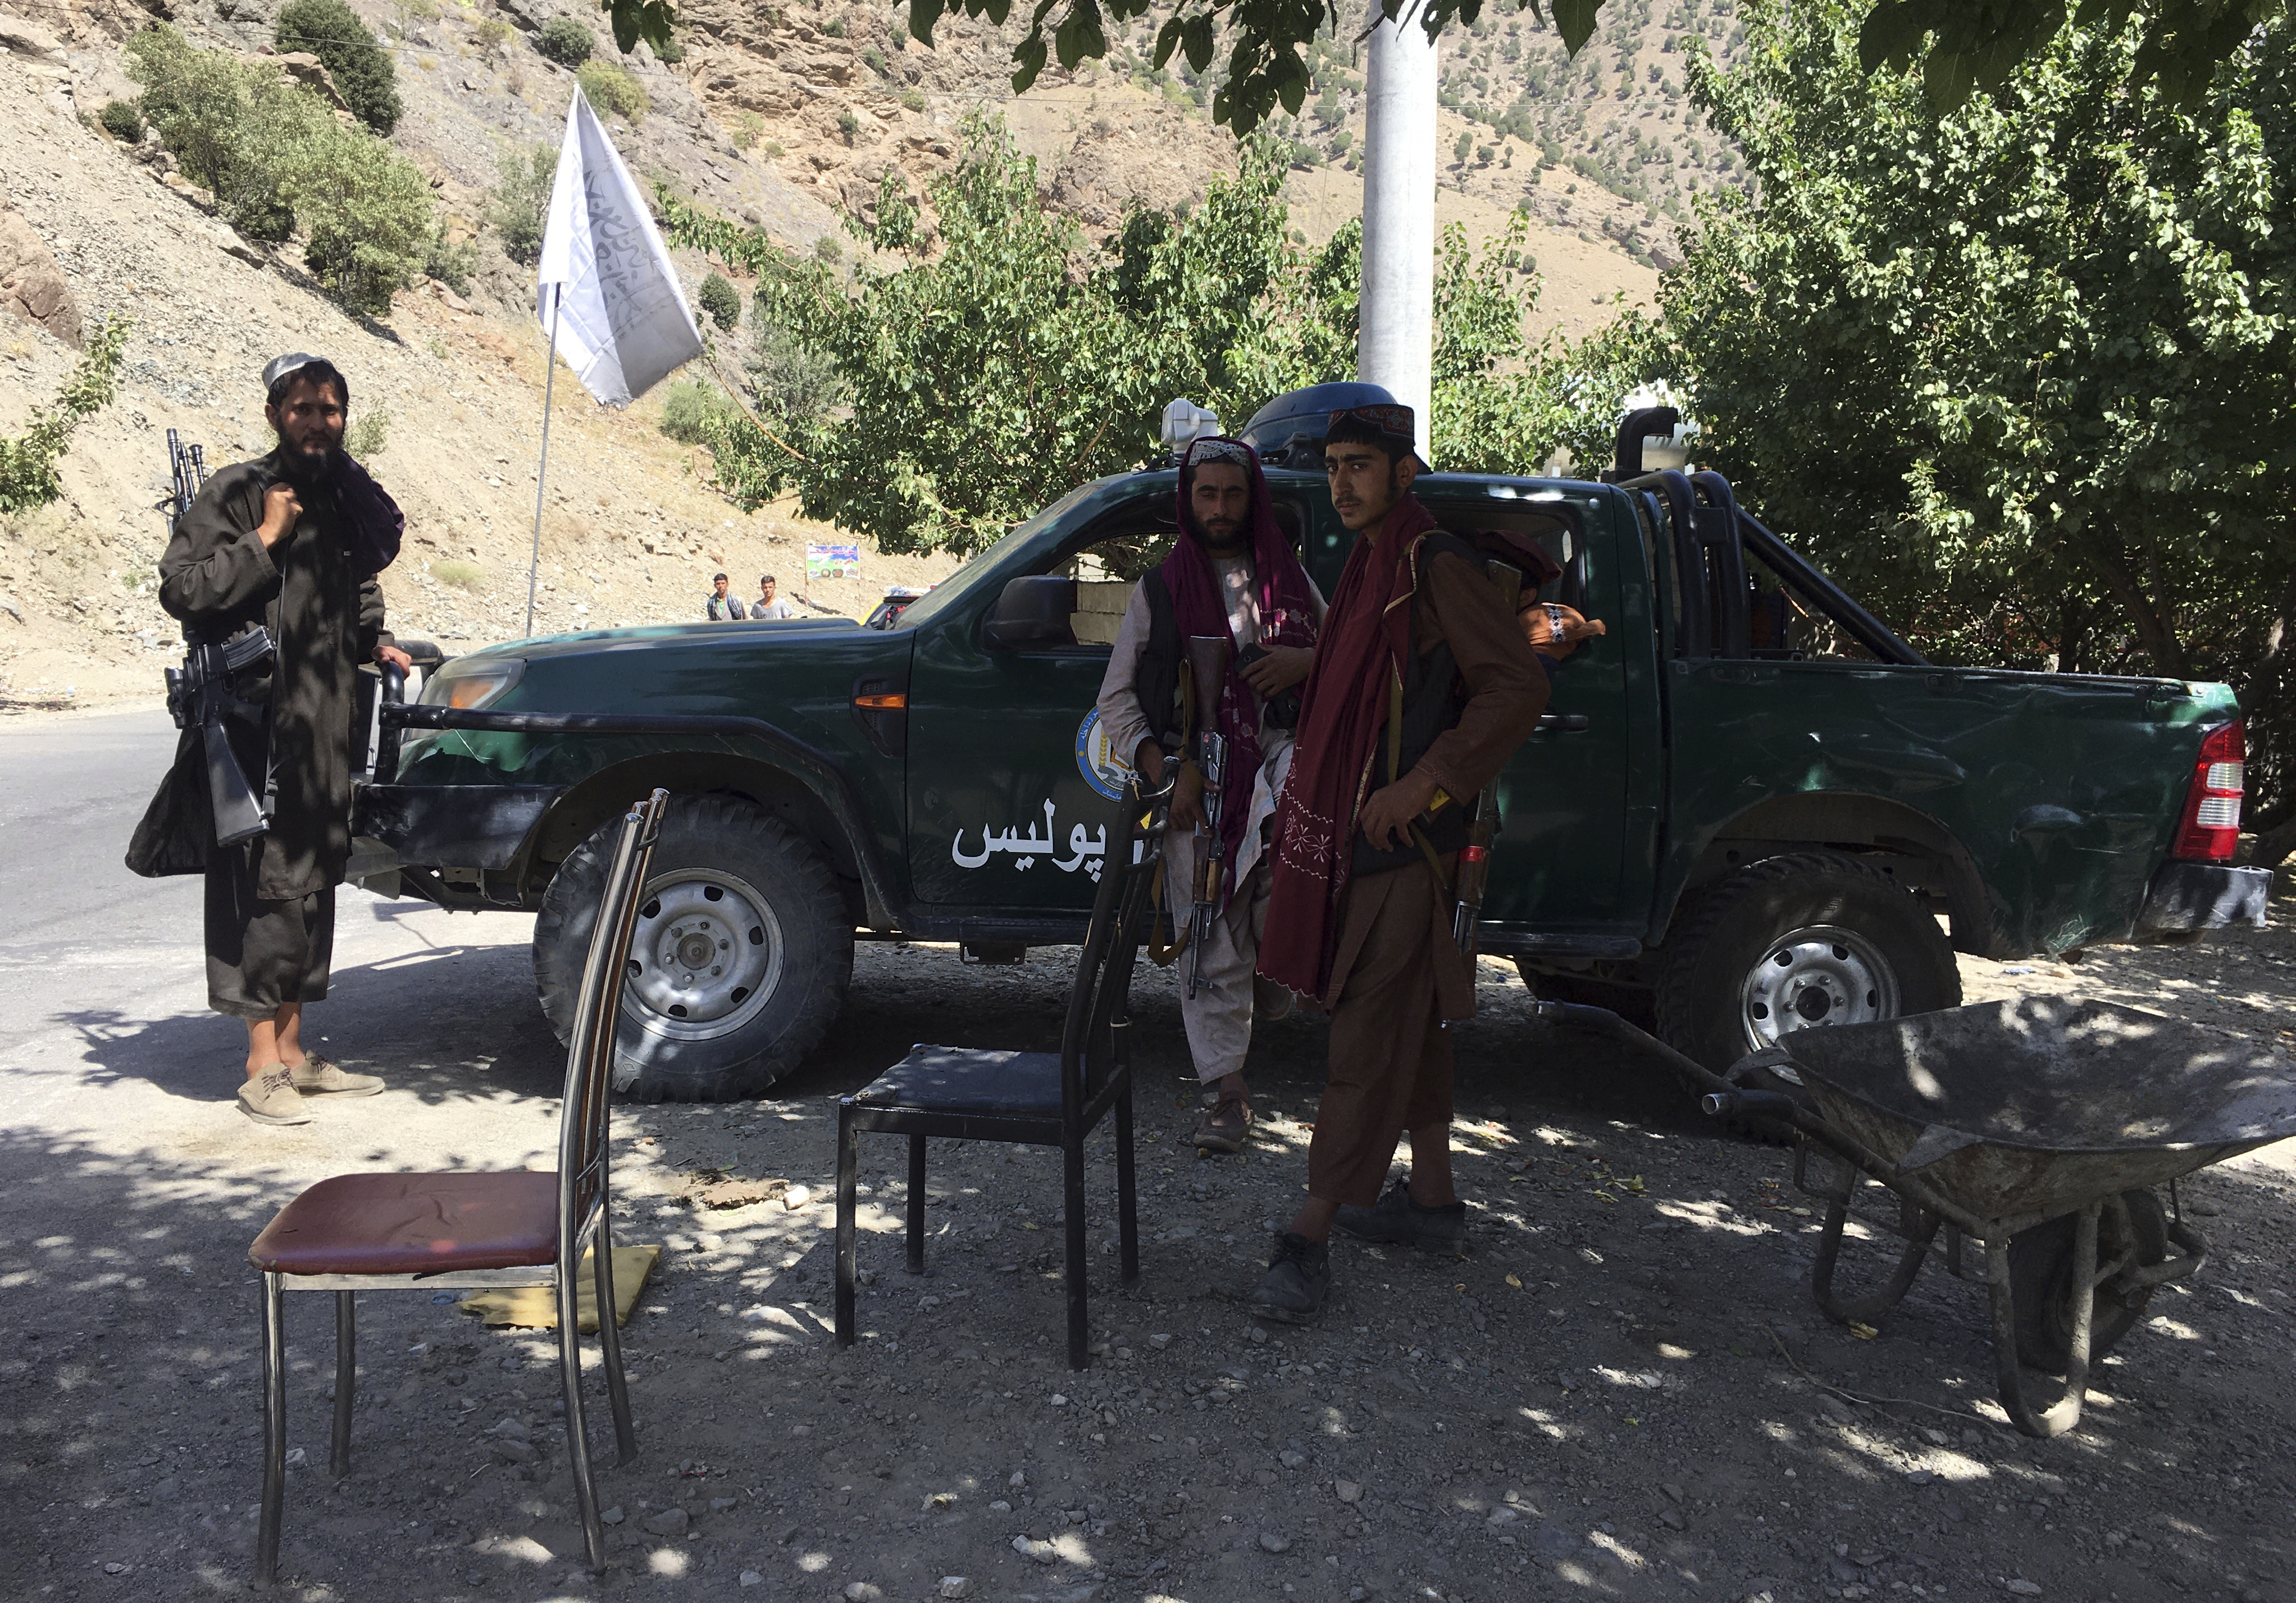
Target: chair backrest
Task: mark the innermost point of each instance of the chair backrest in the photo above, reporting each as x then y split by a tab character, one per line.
582	1120
1093	1038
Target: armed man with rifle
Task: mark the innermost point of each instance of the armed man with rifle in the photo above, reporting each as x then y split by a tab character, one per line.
1204	673
1425	684
271	568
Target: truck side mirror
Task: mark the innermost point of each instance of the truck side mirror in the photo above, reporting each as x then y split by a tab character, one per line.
1032	614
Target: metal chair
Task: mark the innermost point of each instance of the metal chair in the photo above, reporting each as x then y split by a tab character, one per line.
426	1232
1039	1098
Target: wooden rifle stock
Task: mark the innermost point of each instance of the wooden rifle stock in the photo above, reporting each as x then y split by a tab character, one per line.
1475	857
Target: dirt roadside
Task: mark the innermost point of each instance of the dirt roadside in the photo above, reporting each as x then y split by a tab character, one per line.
1624	1393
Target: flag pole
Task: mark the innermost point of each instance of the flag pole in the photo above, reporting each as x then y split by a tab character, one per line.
542	471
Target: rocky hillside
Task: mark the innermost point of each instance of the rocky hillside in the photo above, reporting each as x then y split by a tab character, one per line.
785	115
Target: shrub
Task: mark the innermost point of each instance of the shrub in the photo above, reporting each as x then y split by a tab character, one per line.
464	576
847	124
668	53
361	68
748	127
874	59
123	119
565	41
721	300
612	89
492	33
914	99
368	432
691	409
771	149
421	11
790	383
28	462
834	27
451	265
521	202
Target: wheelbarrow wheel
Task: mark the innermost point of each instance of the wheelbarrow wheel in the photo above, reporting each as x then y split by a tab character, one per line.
2040	1274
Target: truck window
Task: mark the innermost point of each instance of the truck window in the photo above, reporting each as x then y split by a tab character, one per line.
1120	550
1786	624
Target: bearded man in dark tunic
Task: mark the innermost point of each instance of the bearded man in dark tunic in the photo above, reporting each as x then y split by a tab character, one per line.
291	543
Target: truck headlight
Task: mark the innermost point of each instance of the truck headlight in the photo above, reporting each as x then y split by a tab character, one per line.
469	682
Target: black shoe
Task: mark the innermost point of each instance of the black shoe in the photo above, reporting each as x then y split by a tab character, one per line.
1297	1277
1403	1223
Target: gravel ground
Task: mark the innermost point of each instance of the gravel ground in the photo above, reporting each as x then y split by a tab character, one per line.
1625	1392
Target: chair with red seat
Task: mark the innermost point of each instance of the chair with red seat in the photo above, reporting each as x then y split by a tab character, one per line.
429	1232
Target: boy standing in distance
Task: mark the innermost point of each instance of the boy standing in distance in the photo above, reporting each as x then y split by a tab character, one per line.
721	606
765	606
1423	681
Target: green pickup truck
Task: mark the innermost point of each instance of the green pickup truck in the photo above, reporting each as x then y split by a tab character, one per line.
1750	809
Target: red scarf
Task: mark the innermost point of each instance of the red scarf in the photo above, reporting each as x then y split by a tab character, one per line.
1366	641
1287	617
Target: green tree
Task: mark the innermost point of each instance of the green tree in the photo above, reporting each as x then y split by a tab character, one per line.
720	302
362	69
988	379
278	161
565	41
28	462
2020	374
520	204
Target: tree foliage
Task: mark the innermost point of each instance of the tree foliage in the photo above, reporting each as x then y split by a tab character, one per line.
2020	375
278	162
360	68
1961	45
1007	360
28	462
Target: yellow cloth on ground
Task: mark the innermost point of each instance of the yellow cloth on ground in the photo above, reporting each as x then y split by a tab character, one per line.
535	1307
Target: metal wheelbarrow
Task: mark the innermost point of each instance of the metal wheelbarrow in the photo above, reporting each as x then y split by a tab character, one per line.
2036	1129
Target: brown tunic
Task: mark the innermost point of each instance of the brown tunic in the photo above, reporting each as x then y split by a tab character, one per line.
1396	975
326	618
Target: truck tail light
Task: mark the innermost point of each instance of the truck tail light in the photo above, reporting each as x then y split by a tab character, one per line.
2211	829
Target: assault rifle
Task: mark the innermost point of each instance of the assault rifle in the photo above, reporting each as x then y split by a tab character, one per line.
199	692
1208	663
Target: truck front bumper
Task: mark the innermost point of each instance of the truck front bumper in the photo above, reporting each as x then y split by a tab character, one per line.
453	825
2187	898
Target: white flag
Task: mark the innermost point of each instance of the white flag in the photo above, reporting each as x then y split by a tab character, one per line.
622	320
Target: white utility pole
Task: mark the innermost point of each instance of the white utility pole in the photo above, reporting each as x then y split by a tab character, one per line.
1396	345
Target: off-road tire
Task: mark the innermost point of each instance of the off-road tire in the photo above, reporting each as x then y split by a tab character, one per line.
769	883
1736	924
2040	1280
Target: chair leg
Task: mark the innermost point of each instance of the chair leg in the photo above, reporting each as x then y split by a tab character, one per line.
346	1381
609	1343
1072	1190
1127	1214
274	1434
848	1163
578	1435
916	1204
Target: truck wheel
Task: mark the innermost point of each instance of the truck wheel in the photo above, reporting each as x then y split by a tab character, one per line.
738	965
1792	942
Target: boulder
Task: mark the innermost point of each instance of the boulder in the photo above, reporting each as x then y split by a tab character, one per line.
31	284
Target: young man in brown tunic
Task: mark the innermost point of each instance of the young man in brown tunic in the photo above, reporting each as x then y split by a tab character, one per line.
291	543
1425	684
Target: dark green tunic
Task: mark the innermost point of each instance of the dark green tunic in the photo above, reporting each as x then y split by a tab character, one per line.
326	619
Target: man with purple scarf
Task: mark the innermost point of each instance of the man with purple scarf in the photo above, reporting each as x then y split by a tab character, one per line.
1231	573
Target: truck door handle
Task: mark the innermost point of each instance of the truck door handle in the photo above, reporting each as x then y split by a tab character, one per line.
1566	723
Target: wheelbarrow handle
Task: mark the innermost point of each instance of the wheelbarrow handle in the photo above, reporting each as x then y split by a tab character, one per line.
1749	1105
1602	1020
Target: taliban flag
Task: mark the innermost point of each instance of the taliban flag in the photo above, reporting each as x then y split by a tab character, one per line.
606	290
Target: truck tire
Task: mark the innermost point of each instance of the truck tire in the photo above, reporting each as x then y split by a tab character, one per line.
723	875
1808	938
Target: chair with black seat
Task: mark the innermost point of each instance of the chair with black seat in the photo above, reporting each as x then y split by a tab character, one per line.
429	1232
1037	1098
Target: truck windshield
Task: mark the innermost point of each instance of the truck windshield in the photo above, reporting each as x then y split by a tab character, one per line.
961	583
